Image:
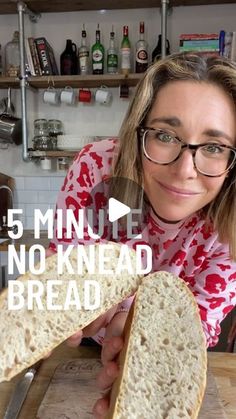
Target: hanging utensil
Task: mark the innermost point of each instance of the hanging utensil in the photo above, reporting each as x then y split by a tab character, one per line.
10	106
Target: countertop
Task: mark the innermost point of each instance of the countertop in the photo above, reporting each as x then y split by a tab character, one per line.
223	367
27	239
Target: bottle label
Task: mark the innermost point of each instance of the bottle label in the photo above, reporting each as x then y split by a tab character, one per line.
142	56
112	62
84	61
97	55
125	58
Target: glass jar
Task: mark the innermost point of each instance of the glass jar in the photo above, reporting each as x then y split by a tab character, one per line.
12	56
40	127
42	142
54	129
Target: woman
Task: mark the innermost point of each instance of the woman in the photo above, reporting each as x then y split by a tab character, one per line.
178	141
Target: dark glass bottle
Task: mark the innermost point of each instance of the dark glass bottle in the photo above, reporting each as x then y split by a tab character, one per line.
156	53
68	59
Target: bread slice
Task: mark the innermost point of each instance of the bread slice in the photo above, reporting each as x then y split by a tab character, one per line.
29	335
163	363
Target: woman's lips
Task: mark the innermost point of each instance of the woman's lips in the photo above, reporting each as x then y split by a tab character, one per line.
177	191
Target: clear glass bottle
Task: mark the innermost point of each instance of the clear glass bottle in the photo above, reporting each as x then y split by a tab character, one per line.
112	55
125	65
141	56
98	54
83	55
12	56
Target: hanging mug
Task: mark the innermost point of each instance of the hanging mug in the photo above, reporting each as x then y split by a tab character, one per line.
85	95
103	95
51	96
68	96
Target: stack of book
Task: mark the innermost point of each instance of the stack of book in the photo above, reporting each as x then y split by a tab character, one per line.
40	57
200	43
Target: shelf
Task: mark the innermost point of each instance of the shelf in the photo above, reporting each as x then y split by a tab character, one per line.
52	154
54	6
42	82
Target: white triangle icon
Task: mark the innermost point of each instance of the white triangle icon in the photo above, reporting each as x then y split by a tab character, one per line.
117	209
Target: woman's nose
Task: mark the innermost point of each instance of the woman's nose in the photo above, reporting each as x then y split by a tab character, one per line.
184	166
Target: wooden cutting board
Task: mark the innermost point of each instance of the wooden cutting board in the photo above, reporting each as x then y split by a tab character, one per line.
72	392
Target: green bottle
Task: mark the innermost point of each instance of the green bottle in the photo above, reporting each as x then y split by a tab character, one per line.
98	54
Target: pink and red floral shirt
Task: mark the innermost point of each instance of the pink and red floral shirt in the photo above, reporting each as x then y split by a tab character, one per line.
187	249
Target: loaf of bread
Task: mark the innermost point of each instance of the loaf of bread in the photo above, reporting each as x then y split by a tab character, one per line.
163	364
29	335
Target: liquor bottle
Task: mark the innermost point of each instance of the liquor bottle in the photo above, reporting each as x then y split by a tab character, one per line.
141	59
112	56
156	53
98	55
68	59
83	55
125	65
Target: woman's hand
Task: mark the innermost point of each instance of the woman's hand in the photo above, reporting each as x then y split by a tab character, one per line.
92	328
113	343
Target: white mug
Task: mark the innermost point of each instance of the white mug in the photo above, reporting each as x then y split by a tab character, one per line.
51	96
68	96
103	95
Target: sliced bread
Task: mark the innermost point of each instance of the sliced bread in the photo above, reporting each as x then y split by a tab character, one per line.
163	363
29	335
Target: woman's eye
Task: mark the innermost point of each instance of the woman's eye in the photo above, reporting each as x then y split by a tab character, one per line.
164	137
214	149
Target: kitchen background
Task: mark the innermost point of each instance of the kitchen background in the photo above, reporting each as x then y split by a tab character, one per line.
37	188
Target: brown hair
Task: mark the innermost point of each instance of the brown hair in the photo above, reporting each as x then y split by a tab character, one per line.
221	212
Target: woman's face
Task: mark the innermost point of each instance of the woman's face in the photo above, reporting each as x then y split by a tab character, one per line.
197	113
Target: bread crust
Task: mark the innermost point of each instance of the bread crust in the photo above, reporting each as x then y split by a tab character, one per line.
120	388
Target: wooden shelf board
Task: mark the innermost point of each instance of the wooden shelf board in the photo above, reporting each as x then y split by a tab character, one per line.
6	82
42	82
53	153
54	6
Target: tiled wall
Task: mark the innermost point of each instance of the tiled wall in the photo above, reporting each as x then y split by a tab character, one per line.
35	193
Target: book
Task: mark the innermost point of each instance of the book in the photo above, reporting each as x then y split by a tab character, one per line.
35	57
29	59
44	58
200	36
55	71
233	47
227	44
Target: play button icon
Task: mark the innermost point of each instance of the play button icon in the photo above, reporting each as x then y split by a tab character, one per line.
117	209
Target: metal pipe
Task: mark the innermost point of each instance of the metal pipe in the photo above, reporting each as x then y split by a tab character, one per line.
22	8
164	6
23	82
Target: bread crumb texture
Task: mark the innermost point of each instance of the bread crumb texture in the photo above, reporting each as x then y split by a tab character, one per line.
28	335
164	372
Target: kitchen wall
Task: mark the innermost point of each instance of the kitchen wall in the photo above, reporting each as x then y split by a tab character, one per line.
92	119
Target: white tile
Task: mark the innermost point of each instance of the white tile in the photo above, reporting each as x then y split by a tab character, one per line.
37	183
29	223
19	182
56	183
29	212
26	197
47	197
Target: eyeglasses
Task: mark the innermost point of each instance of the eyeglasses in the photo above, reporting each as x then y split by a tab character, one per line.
163	147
